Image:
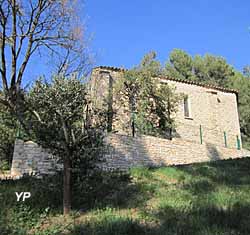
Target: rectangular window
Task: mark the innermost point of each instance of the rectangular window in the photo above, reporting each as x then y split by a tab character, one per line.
186	107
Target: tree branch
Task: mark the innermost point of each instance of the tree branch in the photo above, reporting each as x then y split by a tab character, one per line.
2	48
13	44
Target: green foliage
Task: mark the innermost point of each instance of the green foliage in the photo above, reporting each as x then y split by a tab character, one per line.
8	130
61	123
108	222
151	105
246	71
16	218
212	69
4	165
206	198
54	230
59	108
180	65
207	69
46	198
100	186
242	84
141	172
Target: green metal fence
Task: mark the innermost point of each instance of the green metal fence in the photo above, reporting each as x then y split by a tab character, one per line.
201	137
225	139
238	142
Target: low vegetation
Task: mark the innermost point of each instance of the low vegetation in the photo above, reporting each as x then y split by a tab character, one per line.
208	198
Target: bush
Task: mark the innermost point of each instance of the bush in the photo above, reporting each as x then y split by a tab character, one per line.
8	129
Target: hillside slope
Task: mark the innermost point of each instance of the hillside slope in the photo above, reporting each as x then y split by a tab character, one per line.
207	198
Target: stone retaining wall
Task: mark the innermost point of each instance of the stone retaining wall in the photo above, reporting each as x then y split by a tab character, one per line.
29	158
124	152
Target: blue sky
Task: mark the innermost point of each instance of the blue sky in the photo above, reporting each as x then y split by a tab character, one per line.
123	31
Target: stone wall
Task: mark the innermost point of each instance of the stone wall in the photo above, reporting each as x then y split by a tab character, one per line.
29	158
124	152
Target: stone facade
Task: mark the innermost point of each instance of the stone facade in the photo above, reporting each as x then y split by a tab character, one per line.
102	84
213	115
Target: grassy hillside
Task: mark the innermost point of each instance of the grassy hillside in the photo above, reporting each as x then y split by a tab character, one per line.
210	198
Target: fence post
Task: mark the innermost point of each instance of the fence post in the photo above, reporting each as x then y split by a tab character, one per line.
201	140
238	142
225	139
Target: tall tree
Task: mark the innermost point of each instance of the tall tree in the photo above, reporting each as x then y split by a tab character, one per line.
42	27
207	69
180	65
212	69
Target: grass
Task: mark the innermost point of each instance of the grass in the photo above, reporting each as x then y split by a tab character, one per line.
199	199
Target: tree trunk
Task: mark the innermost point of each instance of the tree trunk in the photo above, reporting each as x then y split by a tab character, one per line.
66	185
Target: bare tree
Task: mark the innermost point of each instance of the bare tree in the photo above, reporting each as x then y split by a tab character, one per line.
48	27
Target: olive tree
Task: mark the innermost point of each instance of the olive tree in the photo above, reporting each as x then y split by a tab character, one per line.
62	125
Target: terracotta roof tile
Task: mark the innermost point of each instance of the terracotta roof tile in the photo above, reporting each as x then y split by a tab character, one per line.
111	68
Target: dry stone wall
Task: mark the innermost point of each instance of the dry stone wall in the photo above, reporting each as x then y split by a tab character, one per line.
124	152
29	158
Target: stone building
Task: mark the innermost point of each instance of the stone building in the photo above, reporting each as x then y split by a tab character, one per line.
207	114
207	129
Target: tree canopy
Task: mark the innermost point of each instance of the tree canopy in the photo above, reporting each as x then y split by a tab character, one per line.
207	69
